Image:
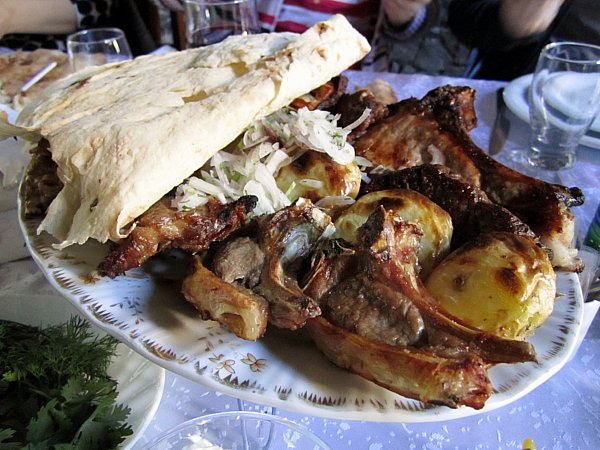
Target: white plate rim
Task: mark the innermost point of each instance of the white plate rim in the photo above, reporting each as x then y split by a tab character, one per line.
394	409
143	396
154	382
515	97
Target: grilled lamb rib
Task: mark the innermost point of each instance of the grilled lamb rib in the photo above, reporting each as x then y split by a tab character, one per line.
163	227
41	184
435	130
261	266
379	321
287	238
422	375
385	257
231	304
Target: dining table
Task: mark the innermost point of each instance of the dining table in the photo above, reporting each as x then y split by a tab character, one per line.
561	413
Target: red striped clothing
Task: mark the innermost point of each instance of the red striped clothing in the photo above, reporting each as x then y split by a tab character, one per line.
298	15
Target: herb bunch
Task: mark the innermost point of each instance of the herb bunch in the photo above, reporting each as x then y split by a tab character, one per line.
54	389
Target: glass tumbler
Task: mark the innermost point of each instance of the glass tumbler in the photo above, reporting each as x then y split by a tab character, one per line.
564	99
97	46
238	430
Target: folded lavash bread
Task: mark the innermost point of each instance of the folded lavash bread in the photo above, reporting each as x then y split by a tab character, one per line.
124	135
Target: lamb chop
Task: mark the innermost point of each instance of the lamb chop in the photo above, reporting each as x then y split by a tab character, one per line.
384	266
435	130
260	267
422	375
411	136
163	227
231	304
379	321
287	238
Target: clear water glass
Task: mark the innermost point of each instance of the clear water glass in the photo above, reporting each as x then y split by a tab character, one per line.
564	99
97	46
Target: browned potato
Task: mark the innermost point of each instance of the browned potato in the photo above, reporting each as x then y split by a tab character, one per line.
501	283
315	176
411	206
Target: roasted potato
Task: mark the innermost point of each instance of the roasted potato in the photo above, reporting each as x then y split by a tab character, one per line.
434	222
500	282
315	175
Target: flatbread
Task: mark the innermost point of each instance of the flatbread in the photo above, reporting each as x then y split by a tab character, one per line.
18	68
124	135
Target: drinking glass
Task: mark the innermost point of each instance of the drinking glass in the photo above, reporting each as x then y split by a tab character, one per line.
97	46
238	430
564	99
211	21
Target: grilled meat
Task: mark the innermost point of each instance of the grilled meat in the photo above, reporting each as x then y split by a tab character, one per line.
419	374
379	322
239	261
433	131
453	103
385	265
324	96
365	304
266	263
411	136
471	210
162	227
42	184
231	304
287	239
351	106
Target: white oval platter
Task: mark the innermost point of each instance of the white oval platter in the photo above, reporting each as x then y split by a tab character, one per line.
145	310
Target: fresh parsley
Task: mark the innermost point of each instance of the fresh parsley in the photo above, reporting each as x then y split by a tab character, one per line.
54	389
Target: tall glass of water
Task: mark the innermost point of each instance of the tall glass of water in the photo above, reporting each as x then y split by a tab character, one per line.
211	21
564	99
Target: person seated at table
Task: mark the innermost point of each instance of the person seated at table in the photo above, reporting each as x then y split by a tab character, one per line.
507	35
381	21
31	24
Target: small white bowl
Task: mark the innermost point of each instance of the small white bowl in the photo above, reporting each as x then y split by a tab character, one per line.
238	430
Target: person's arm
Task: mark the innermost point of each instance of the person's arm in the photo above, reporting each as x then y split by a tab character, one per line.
37	16
521	19
490	24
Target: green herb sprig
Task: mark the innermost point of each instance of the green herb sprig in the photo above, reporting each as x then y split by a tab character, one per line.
54	389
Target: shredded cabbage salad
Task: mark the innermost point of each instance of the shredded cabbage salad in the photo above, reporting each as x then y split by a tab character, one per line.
264	148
